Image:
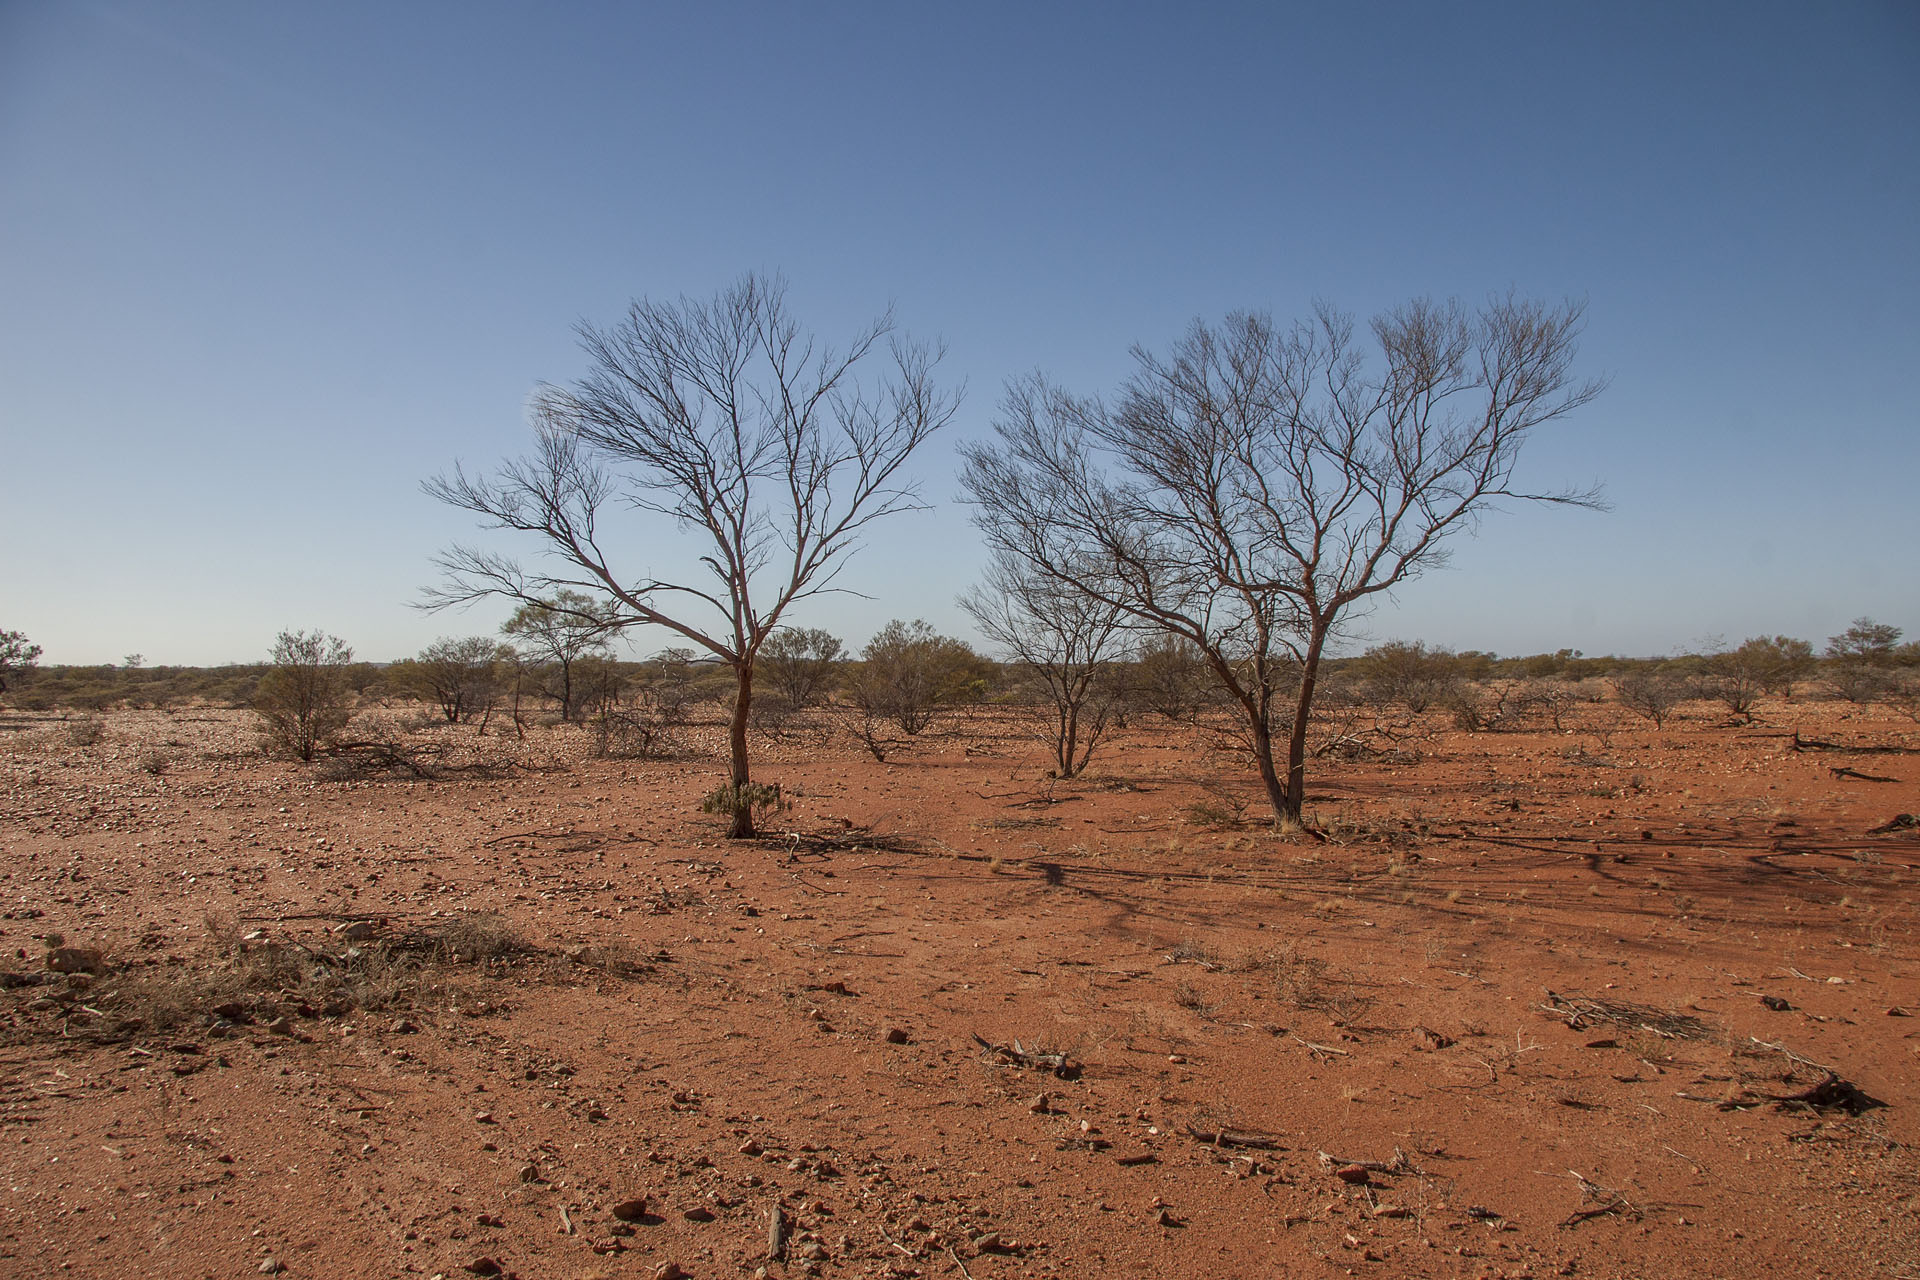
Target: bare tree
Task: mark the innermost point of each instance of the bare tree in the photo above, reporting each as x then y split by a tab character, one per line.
1652	694
1256	484
1065	639
730	421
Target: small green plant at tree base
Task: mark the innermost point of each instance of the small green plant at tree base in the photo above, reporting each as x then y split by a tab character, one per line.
749	797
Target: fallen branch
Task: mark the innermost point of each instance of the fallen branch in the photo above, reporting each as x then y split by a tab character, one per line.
1578	1011
1841	771
1606	1201
1236	1138
1318	1048
1814	744
1401	1163
1058	1063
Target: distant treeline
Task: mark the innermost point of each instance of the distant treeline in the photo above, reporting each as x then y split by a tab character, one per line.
108	686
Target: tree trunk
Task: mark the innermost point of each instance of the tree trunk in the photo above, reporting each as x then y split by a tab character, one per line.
1296	793
737	750
1261	739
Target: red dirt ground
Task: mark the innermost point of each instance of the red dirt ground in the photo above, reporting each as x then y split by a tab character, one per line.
1526	977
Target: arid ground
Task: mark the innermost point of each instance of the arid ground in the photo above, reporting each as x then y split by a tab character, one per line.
1611	1001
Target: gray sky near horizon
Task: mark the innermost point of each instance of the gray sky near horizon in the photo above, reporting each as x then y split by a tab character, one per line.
265	268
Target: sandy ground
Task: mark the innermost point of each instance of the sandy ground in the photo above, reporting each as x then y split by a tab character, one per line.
1611	1002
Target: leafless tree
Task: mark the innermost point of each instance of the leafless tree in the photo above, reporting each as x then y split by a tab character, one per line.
1652	694
1256	484
1065	639
729	420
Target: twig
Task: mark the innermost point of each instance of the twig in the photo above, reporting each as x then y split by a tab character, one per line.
1236	1138
956	1262
794	876
1318	1048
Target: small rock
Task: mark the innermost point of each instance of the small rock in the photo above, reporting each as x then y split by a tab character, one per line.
1354	1174
813	1251
484	1117
404	1026
751	1148
76	960
698	1214
1166	1219
1898	1012
1428	1040
670	1271
1041	1106
270	1266
231	1010
354	930
280	1026
529	1173
988	1242
1177	1059
896	1035
1391	1211
634	1210
1778	1004
919	1224
484	1266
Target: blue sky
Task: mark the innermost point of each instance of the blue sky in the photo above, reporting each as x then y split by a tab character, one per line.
263	268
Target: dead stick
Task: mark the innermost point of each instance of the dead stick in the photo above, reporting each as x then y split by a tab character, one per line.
776	1233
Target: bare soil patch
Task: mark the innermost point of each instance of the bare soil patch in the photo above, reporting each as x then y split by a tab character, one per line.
1619	1003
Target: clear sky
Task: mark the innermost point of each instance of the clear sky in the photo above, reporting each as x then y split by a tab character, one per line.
265	267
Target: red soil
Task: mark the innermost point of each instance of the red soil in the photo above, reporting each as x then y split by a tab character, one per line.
1530	976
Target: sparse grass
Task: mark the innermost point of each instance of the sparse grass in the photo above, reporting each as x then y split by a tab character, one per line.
272	983
1212	816
1308	982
